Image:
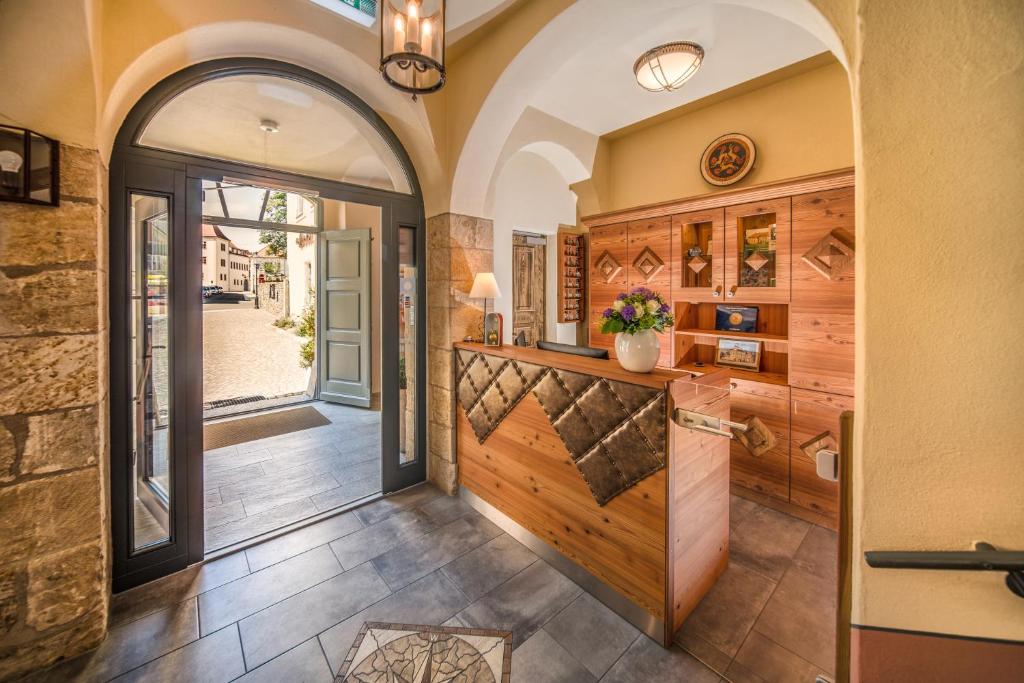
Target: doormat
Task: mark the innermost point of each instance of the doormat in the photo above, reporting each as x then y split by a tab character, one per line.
408	653
244	429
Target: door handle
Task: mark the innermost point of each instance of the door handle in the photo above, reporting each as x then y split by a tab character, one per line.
984	558
699	422
826	463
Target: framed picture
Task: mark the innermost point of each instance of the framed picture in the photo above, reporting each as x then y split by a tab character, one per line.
736	318
739	353
728	159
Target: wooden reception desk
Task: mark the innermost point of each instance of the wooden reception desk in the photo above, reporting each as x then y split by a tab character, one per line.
542	437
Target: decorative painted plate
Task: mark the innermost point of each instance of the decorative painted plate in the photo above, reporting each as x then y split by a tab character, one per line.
728	159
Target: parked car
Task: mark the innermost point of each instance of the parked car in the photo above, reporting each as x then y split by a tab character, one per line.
207	291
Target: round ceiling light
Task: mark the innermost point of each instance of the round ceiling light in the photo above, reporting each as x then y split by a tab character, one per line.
269	126
667	67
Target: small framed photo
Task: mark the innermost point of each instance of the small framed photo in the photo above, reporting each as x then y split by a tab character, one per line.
739	353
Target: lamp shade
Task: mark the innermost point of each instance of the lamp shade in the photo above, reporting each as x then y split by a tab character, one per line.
667	67
484	287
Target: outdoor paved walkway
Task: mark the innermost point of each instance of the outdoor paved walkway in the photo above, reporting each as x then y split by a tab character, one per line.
245	355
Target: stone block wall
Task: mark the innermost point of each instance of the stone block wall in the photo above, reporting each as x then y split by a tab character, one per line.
272	297
54	538
458	247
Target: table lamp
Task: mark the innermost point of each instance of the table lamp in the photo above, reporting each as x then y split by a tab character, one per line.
486	287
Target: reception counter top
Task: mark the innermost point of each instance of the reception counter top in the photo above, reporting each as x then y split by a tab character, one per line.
581	460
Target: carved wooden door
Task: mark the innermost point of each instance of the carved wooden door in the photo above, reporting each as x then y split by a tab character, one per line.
528	271
757	252
650	258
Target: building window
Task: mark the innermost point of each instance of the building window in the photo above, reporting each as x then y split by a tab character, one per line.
222	246
204	259
204	244
222	263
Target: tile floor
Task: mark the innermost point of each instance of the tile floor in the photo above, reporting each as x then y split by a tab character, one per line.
259	486
771	616
290	608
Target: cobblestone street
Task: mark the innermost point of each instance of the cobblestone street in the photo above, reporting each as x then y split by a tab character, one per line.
245	355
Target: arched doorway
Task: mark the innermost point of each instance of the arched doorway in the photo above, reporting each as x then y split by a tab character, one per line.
267	182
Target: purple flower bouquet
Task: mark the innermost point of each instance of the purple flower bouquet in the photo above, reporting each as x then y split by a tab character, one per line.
635	311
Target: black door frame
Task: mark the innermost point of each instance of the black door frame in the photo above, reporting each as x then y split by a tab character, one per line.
137	169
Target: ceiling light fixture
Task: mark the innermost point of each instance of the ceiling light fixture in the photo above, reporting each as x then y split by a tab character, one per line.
412	45
269	126
666	67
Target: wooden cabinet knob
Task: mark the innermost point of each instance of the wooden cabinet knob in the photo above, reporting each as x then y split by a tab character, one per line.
732	292
718	291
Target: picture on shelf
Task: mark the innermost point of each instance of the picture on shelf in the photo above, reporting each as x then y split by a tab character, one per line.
736	318
739	353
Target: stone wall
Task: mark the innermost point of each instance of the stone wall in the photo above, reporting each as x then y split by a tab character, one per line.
458	247
272	297
54	538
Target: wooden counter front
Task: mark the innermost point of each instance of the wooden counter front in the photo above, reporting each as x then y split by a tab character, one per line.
660	544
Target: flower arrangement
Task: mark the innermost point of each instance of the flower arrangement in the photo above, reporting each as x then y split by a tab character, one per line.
635	311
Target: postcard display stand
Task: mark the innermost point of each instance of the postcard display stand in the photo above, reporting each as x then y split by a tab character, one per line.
786	249
572	265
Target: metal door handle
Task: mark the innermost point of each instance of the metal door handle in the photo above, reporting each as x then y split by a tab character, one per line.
984	558
826	463
700	422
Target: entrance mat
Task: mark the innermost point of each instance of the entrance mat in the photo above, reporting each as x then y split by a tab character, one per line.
409	653
244	429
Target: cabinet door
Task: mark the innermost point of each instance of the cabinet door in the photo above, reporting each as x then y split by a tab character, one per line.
650	258
821	334
608	254
768	472
698	255
815	418
757	252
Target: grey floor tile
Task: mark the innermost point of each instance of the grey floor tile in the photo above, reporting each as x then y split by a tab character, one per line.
542	660
301	540
347	492
739	508
766	541
302	664
211	498
818	554
432	600
315	457
444	509
232	477
645	661
221	606
132	645
404	564
488	566
371	541
761	660
728	611
284	625
801	617
592	633
406	499
524	603
707	653
266	484
219	461
170	590
216	515
217	658
287	492
254	525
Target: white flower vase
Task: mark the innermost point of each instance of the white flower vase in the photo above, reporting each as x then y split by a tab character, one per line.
637	352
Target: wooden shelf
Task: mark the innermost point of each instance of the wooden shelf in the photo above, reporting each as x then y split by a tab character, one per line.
758	336
777	378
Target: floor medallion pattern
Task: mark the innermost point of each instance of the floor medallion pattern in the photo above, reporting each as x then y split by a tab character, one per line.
409	653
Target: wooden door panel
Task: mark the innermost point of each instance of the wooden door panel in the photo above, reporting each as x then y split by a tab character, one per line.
821	315
528	280
815	415
767	473
650	259
608	253
735	269
692	280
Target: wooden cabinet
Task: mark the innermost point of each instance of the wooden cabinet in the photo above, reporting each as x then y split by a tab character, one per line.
609	259
815	425
650	256
768	472
821	313
757	251
698	256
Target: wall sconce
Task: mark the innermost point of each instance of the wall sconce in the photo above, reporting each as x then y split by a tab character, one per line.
29	167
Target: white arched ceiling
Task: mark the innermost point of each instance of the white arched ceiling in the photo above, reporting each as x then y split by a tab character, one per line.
578	69
294	46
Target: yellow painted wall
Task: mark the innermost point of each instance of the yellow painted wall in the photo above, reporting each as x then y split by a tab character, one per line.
801	125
